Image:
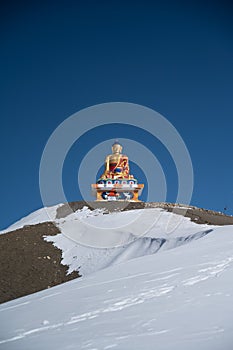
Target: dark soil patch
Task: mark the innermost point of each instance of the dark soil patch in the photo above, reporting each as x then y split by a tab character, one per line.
197	215
28	263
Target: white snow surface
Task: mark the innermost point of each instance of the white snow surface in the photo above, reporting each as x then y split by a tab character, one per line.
91	240
176	299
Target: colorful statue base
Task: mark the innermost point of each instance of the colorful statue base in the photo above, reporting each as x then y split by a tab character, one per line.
116	184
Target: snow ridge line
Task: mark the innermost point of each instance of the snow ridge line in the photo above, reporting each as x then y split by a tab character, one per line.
88	260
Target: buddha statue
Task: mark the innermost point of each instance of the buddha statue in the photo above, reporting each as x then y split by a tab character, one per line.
116	164
116	183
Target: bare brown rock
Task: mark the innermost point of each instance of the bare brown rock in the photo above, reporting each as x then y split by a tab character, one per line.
28	263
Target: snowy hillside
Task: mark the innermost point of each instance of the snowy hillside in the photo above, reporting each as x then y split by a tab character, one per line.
38	216
92	240
167	284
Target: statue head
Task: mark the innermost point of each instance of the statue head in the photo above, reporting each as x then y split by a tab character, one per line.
116	147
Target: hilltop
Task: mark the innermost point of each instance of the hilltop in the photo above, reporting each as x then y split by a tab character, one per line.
147	278
30	262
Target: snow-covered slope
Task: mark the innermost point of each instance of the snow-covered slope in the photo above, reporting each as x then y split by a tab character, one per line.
177	299
38	216
91	240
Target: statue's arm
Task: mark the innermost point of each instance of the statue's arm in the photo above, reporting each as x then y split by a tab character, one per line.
107	163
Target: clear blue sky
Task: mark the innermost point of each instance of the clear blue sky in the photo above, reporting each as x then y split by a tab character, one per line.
59	57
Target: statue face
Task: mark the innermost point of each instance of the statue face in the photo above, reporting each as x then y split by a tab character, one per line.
116	148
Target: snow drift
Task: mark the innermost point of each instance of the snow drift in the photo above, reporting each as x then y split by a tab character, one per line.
176	299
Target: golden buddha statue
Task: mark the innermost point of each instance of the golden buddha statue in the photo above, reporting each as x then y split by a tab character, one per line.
116	183
116	164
